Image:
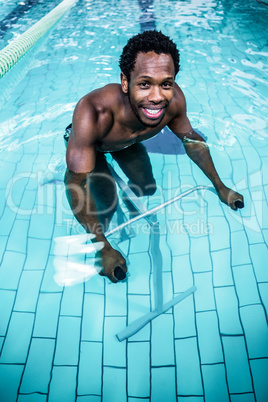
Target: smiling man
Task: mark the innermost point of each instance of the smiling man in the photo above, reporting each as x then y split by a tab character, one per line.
115	119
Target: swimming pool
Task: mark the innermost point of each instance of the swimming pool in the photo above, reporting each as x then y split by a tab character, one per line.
59	343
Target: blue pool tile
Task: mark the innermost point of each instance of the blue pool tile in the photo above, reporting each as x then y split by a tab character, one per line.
222	273
18	338
3	200
220	233
114	351
265	235
184	318
116	300
26	206
264	295
200	254
162	347
259	369
237	366
182	273
63	384
188	367
204	297
167	287
209	338
37	253
256	330
2	338
178	242
114	377
46	222
260	205
48	283
138	364
7	298
215	383
28	291
138	399
139	269
138	305
3	243
9	381
95	285
90	368
214	206
253	230
32	398
11	269
92	322
245	284
68	338
190	399
89	398
140	243
227	309
259	255
249	397
15	190
72	300
240	248
47	312
25	164
18	237
234	220
36	376
163	384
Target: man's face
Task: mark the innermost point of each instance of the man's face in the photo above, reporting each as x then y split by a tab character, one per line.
151	87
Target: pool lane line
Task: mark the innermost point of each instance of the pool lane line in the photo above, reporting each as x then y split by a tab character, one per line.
17	49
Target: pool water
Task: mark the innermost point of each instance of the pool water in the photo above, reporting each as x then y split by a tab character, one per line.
59	343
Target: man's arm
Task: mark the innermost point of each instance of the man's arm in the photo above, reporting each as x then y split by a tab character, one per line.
197	149
80	158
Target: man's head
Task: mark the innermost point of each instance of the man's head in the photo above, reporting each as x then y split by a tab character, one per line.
149	64
148	41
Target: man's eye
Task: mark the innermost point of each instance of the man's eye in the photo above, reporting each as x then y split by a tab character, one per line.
167	85
144	85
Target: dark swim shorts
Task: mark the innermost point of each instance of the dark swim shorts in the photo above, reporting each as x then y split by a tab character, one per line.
67	133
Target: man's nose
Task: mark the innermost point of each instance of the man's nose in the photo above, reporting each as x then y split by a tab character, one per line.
156	95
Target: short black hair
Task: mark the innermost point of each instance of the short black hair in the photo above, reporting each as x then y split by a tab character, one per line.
145	42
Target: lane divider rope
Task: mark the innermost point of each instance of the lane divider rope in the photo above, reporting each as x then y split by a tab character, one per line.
17	49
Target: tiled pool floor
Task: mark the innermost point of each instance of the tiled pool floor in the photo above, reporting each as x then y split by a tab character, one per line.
59	344
213	345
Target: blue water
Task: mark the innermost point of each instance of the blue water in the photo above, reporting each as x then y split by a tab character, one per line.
59	343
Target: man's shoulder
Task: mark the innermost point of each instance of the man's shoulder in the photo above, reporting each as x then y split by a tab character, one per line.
102	98
95	113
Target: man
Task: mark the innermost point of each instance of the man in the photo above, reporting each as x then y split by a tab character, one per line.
115	119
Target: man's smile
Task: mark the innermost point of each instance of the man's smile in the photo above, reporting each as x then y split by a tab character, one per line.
153	113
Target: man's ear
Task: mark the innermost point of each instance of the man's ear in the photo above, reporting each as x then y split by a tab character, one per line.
124	83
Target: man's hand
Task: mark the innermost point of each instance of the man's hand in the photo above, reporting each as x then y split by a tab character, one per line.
113	264
231	198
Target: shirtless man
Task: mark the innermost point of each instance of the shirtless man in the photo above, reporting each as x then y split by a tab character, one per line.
115	119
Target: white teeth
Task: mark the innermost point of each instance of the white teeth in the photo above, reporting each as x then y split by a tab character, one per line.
153	111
